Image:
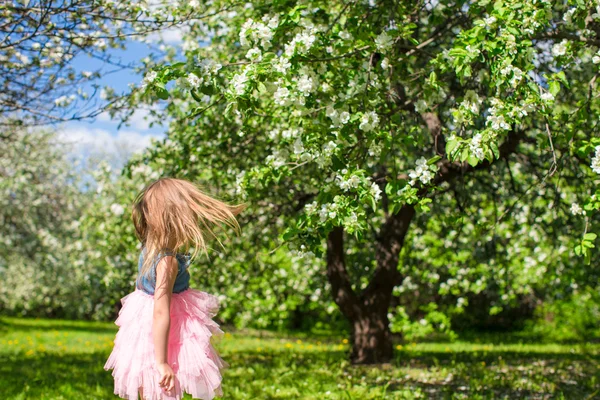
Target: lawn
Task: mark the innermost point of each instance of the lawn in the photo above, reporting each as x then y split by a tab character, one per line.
52	359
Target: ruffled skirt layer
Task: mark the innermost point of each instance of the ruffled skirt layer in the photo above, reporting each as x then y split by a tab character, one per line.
195	362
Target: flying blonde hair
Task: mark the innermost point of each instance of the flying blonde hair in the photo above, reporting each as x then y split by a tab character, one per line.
175	214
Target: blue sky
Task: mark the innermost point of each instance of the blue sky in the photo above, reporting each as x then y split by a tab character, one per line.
101	137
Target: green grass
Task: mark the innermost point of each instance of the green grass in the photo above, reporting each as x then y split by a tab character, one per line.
51	359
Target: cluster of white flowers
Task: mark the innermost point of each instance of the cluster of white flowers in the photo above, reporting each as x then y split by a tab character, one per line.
278	158
489	21
568	17
375	149
496	121
475	146
255	31
560	49
301	43
283	65
384	42
323	158
422	172
328	211
337	118
345	35
64	101
193	81
282	96
596	161
208	66
239	83
375	191
517	74
369	121
149	78
346	184
254	55
306	84
421	106
576	209
596	58
471	102
117	209
547	96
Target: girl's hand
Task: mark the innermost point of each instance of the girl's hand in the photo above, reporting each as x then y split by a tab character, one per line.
167	377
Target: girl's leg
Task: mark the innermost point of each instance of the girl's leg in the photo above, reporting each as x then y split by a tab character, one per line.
141	393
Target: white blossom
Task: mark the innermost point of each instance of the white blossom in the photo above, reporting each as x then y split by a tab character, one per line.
559	49
547	96
193	80
384	41
254	55
576	209
596	161
117	209
369	121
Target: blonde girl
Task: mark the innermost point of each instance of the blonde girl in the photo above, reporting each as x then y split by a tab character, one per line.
162	349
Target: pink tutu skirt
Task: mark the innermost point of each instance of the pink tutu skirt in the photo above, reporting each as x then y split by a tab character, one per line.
195	362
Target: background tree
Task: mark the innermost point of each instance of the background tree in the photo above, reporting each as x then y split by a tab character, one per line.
41	41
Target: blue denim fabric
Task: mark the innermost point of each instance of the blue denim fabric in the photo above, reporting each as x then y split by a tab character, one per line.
148	283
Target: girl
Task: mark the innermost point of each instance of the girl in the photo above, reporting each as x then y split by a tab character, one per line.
163	348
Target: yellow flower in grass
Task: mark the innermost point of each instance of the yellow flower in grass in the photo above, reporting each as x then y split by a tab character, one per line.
288	345
399	347
298	341
345	341
30	352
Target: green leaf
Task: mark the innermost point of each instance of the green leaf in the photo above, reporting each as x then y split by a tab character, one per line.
433	160
472	160
495	150
195	95
590	236
161	92
554	87
450	146
337	163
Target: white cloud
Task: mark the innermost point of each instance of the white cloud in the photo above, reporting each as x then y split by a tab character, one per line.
94	144
139	120
171	36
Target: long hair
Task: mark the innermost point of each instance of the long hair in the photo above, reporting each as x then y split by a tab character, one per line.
175	214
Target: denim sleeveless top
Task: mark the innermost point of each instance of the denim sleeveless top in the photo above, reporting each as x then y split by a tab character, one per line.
148	283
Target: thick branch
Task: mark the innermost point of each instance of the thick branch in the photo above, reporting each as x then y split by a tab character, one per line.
388	246
341	288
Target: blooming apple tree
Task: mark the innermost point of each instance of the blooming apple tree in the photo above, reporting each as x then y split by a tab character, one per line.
398	139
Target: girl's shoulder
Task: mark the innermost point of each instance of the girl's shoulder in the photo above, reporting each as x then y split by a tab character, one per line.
183	259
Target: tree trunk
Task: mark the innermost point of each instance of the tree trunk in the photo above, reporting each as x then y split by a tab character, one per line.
371	339
367	312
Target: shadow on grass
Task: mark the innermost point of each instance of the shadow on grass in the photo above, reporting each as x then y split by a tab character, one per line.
436	374
26	325
74	376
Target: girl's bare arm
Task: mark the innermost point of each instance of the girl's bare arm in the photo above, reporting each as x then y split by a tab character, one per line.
166	272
